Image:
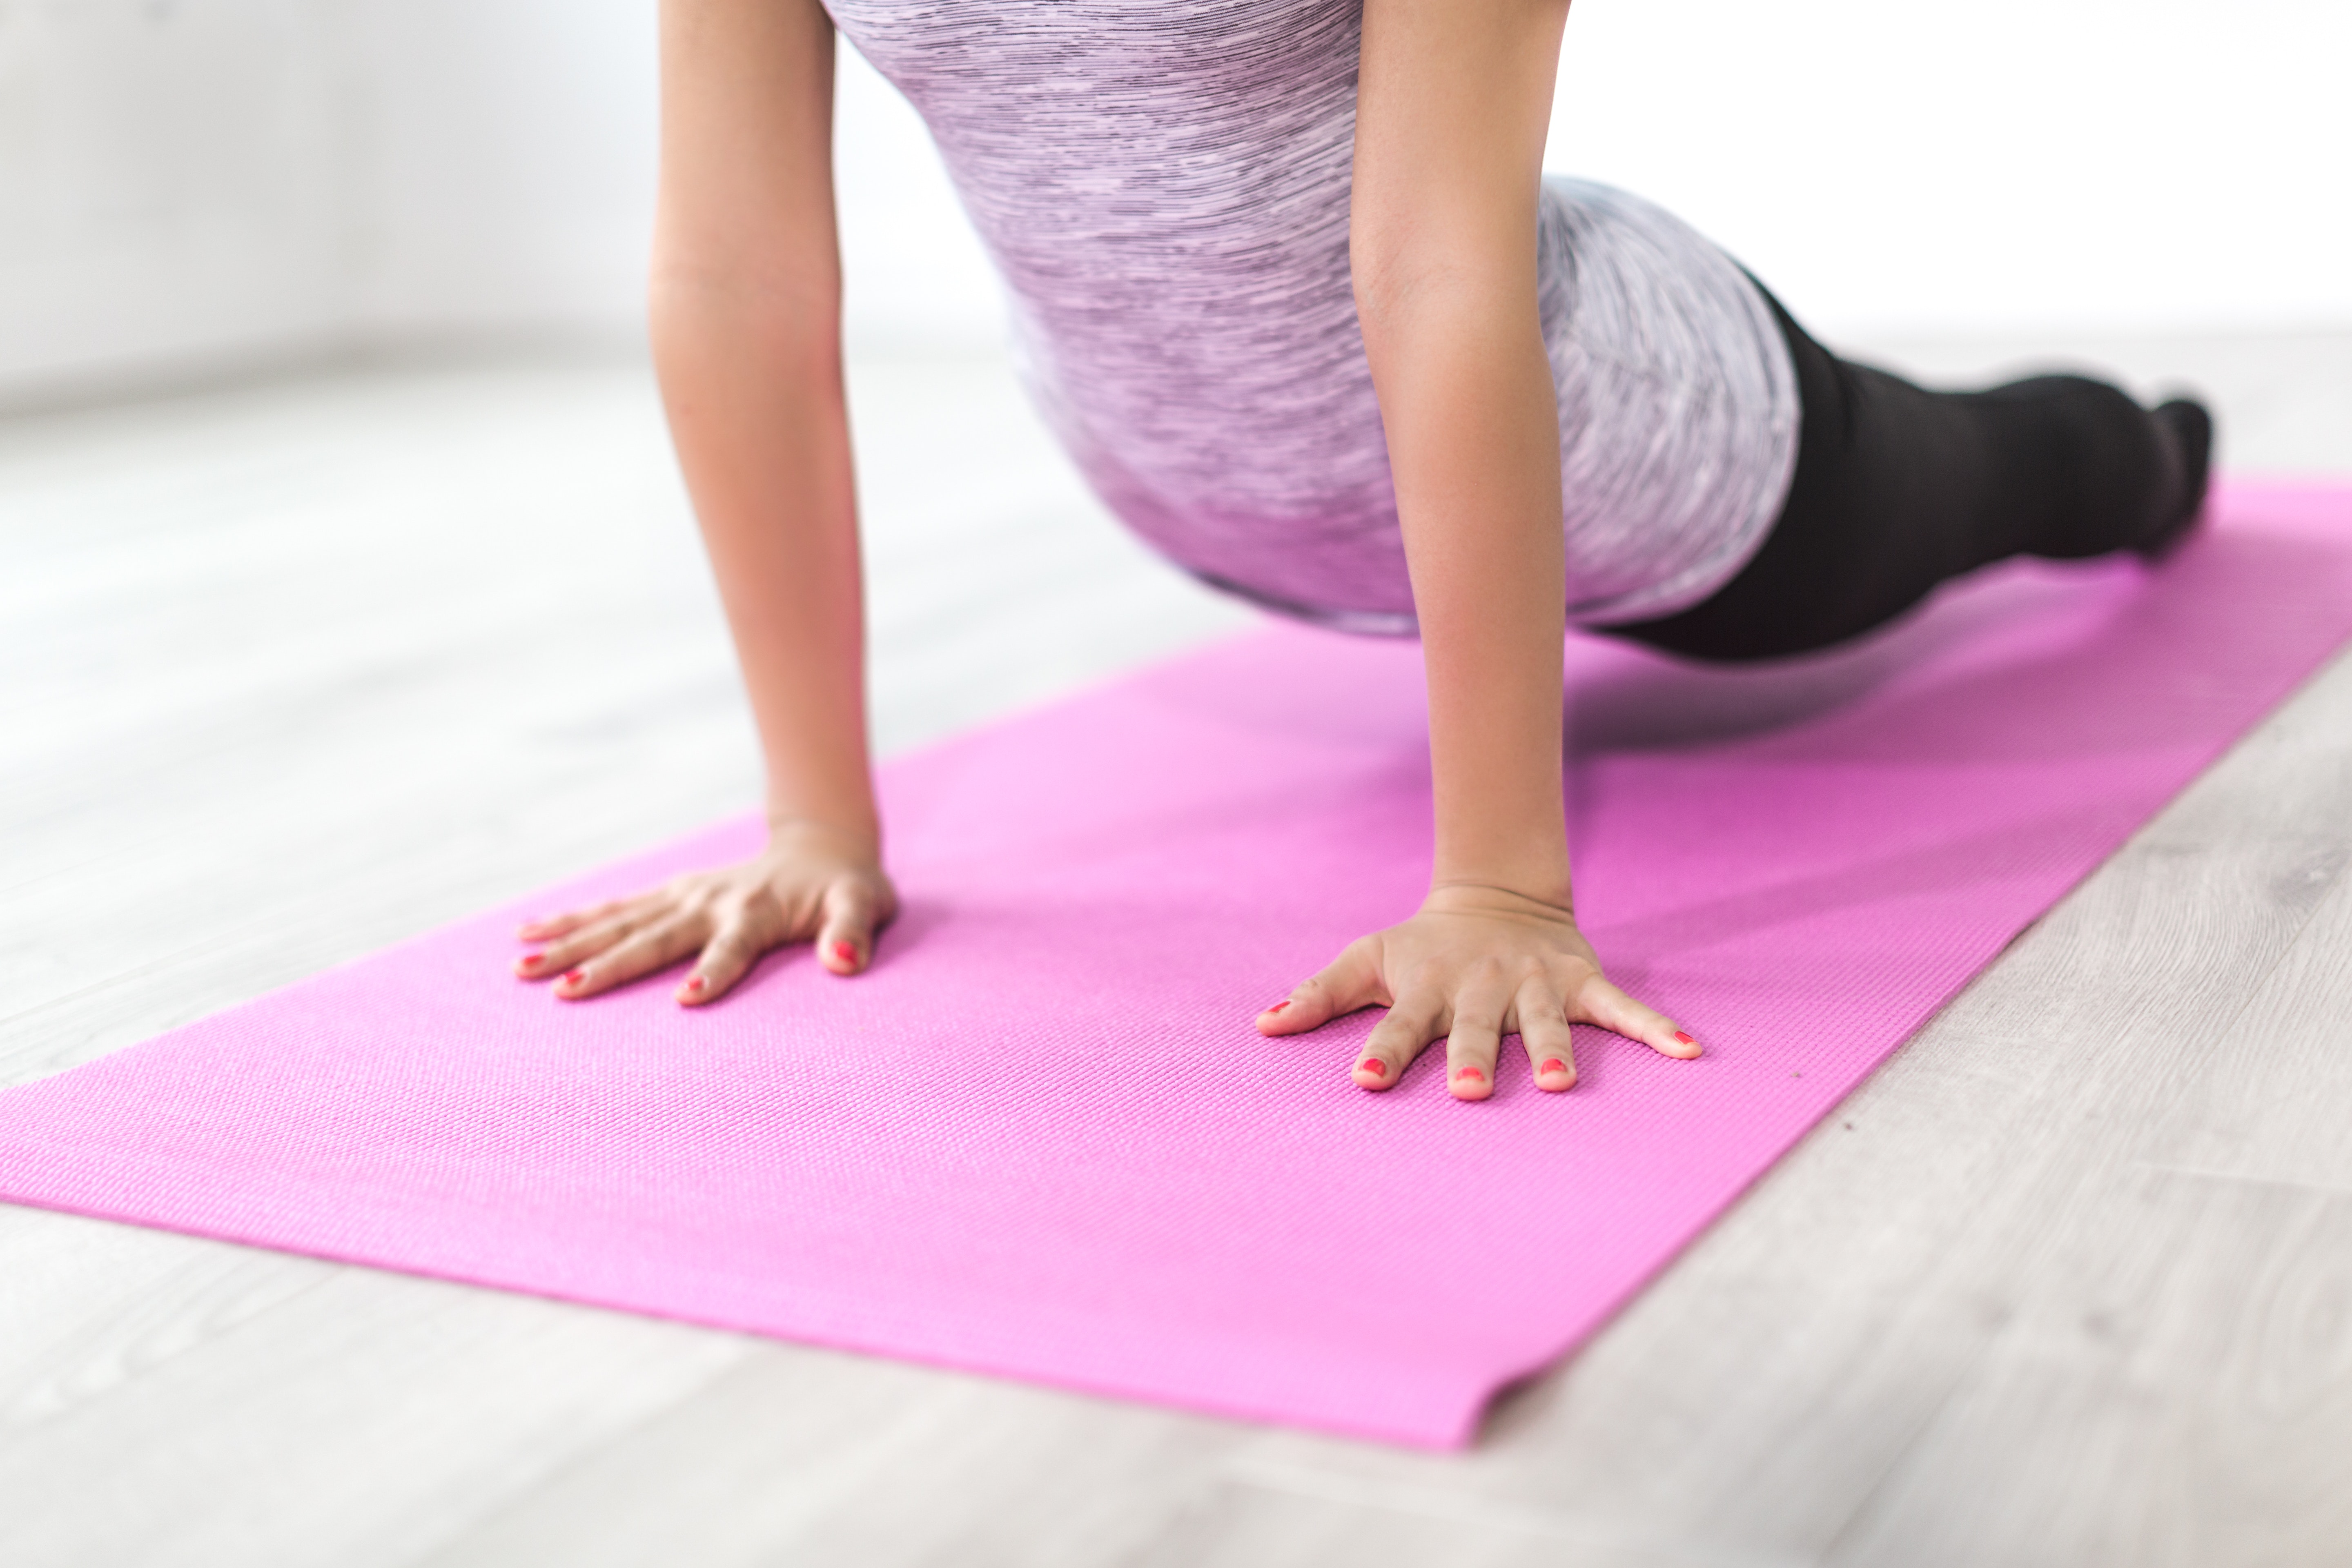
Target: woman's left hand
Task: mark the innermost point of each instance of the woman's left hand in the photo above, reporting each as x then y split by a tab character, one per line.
1474	964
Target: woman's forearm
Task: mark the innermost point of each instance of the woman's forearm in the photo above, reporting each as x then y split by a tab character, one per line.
756	409
746	318
1452	102
1475	445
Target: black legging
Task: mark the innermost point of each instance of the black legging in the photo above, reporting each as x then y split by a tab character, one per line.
1898	488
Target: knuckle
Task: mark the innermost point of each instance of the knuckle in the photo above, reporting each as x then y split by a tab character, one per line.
735	948
738	919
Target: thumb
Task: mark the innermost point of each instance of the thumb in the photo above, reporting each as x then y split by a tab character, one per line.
1349	982
853	911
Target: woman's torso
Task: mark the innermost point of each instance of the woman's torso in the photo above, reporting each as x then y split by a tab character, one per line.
1164	184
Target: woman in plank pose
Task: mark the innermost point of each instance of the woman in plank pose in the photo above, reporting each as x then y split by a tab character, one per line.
1291	288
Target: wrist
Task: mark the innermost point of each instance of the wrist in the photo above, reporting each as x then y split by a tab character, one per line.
1491	898
855	840
1524	866
1550	892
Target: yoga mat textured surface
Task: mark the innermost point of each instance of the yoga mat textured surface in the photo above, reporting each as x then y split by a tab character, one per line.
1042	1138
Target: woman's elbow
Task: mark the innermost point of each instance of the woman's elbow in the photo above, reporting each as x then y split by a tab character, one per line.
779	308
1403	292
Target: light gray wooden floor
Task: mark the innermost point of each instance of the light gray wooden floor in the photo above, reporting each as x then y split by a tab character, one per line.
293	669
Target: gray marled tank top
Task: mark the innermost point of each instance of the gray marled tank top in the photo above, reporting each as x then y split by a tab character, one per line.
1164	184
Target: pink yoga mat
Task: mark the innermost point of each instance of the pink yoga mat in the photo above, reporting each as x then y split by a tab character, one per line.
1041	1137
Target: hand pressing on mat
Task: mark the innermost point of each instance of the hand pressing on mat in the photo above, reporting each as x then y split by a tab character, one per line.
1451	110
810	884
1474	965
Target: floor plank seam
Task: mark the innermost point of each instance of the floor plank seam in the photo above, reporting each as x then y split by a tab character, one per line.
1899	1454
2241	1178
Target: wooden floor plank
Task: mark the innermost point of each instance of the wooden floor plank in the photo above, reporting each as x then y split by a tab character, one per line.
1244	1526
806	1456
188	1402
2273	1101
2177	1391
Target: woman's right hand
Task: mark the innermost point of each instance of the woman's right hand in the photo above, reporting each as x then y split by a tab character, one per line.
810	883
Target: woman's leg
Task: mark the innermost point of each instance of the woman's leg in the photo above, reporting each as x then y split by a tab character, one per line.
1898	488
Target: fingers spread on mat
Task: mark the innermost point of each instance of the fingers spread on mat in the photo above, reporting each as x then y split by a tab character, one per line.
561	957
1599	1002
1544	1031
845	943
642	952
726	958
1476	1038
1397	1040
548	927
1349	982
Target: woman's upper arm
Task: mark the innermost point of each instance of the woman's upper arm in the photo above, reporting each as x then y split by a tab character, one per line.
746	201
1452	101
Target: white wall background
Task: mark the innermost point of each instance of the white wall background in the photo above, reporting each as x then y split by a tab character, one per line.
173	181
2136	164
188	184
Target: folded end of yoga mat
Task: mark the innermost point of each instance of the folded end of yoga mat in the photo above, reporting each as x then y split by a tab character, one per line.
1042	1138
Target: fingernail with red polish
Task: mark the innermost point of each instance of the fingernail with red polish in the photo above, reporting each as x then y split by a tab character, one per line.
532	960
1553	1064
694	982
1373	1066
576	977
1470	1075
843	952
1278	1006
1685	1038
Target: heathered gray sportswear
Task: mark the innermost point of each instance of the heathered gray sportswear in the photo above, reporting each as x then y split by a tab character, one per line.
1164	184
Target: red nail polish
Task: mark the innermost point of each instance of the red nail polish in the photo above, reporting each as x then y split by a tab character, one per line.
1553	1064
576	977
1278	1006
533	959
1685	1038
694	982
1470	1075
1373	1066
843	952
